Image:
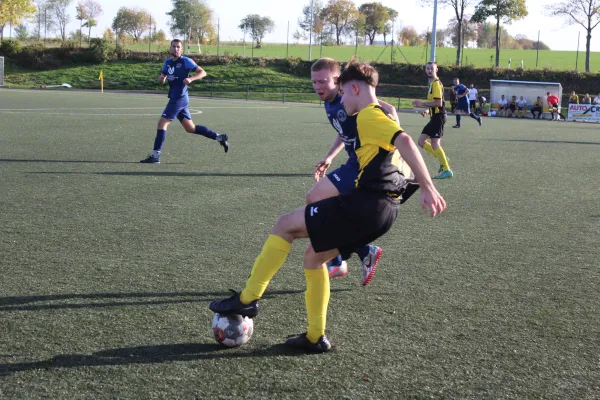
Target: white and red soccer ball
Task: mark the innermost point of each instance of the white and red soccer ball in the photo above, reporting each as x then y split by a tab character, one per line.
232	330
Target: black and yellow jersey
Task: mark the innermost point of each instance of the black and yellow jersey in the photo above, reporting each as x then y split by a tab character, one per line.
379	161
537	103
574	99
436	91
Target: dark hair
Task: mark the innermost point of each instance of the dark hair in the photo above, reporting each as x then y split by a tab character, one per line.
432	63
359	71
176	41
326	63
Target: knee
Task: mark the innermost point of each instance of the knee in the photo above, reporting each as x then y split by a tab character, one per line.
190	129
312	197
313	258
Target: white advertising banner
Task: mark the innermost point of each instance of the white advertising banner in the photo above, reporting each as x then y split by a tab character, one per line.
584	112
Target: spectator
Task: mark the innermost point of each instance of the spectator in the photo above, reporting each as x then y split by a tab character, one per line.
537	108
522	106
512	107
586	99
573	99
554	106
473	98
502	106
597	99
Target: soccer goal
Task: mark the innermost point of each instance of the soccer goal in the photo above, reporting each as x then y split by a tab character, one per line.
1	71
529	90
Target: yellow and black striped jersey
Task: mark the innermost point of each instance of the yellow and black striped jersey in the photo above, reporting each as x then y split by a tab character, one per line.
379	161
436	91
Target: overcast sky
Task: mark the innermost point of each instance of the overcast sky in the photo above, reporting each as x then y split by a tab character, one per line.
555	32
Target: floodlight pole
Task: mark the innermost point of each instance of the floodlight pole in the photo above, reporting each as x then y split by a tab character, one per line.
310	32
537	52
432	58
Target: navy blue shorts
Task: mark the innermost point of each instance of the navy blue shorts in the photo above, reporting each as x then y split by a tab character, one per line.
344	178
463	106
177	109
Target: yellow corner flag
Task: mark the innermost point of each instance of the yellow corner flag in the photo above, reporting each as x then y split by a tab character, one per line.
101	78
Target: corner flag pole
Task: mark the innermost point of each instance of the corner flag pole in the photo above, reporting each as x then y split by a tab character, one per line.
101	77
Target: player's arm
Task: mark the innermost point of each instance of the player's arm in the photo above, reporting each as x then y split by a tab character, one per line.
325	163
162	78
390	109
430	198
437	102
466	92
200	73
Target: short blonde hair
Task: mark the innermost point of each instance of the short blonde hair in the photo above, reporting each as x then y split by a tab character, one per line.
326	63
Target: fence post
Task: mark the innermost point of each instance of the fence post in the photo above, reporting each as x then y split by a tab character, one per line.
397	108
247	91
284	92
211	90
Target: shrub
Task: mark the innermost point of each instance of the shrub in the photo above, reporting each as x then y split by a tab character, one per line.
10	48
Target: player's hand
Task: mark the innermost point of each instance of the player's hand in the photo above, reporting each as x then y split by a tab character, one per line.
187	81
417	103
424	113
162	79
431	200
321	168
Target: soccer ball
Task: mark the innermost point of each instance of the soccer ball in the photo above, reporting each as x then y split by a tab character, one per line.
232	330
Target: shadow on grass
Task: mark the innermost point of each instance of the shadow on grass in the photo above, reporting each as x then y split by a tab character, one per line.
149	355
20	303
545	141
170	173
71	161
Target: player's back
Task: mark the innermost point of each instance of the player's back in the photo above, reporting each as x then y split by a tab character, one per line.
344	124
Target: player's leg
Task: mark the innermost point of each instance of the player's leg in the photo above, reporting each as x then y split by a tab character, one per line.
458	111
167	116
186	121
440	154
472	114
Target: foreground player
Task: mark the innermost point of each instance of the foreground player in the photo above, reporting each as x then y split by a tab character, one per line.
176	70
324	74
434	130
339	224
462	103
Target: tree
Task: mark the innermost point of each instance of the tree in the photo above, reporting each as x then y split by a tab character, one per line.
132	21
21	32
258	26
192	18
58	8
80	15
43	18
583	12
459	7
108	35
389	25
12	12
160	36
339	15
501	10
408	36
469	31
376	15
93	10
312	20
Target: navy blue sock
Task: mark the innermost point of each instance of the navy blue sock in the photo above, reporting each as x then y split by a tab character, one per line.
204	131
475	117
458	119
161	136
363	252
335	262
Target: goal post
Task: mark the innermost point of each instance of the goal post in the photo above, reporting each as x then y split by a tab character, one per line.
1	71
529	90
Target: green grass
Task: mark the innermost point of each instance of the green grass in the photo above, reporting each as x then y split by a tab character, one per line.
553	59
108	265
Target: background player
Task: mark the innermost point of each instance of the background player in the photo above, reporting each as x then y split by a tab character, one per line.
434	130
462	103
176	70
522	106
324	74
538	107
473	97
554	106
337	224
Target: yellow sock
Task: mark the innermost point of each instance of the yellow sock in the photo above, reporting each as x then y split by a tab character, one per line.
441	156
266	265
317	299
427	147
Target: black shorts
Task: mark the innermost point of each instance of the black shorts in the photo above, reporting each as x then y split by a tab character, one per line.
435	127
512	108
472	104
349	221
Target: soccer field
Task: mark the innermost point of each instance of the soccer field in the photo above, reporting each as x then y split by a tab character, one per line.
107	266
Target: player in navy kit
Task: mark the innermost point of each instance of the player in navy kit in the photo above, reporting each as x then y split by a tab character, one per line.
462	103
324	73
176	71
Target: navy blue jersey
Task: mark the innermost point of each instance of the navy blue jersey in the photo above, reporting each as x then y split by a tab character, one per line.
344	124
460	90
176	71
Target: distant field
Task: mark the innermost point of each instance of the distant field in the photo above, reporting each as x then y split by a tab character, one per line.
107	266
558	60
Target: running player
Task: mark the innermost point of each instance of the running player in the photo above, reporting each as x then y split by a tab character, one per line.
338	225
324	74
176	71
434	130
462	103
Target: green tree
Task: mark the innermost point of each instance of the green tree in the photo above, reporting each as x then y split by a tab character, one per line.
583	12
389	25
376	15
21	32
408	36
258	27
340	15
312	20
131	21
93	10
80	15
59	11
12	12
192	18
504	11
459	7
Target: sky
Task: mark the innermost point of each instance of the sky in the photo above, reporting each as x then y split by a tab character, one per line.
554	31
